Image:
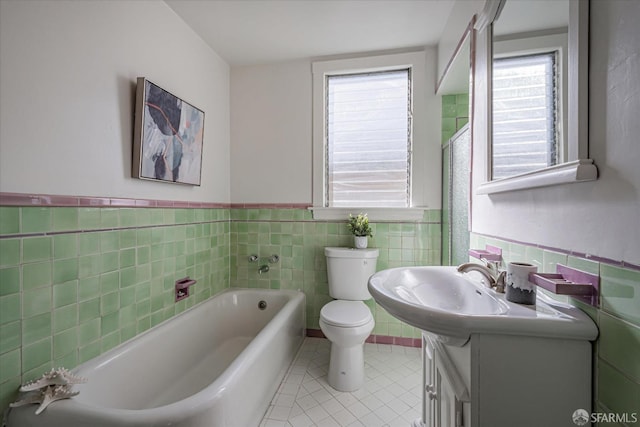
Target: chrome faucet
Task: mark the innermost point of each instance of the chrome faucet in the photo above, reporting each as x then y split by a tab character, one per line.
494	277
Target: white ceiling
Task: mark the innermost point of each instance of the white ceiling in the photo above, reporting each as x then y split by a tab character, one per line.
247	32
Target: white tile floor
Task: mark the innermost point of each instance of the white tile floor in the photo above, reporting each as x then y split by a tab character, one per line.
390	395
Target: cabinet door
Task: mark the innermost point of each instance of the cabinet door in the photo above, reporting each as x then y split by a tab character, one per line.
428	383
448	407
444	390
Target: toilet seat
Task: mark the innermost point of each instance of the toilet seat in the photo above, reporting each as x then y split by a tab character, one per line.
345	314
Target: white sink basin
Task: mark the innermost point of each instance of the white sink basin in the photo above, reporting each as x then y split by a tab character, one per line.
446	293
455	305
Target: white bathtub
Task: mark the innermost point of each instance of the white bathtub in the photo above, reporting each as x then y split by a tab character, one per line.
217	364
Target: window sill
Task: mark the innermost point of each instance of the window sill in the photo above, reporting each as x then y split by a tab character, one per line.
576	171
374	214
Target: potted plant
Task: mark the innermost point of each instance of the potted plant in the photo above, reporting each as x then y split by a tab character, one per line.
360	228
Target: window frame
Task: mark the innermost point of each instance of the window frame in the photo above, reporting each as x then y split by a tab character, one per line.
415	61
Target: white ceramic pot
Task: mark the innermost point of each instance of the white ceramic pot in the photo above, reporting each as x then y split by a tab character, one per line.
361	242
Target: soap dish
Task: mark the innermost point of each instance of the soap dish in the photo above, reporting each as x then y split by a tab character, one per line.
490	253
570	281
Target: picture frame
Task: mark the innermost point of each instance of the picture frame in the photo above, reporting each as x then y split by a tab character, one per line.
168	136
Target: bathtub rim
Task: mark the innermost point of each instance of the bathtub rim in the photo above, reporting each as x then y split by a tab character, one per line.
203	398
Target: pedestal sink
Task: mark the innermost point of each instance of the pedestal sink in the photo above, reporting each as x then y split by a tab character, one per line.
453	306
488	361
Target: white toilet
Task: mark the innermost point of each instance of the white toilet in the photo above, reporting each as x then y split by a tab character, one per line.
347	321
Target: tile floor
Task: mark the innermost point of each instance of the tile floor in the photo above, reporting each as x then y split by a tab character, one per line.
390	396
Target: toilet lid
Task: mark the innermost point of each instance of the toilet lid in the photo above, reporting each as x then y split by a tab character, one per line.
345	313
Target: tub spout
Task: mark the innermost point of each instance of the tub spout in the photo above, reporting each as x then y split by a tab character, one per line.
263	269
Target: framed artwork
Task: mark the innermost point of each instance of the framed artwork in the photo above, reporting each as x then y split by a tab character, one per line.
168	136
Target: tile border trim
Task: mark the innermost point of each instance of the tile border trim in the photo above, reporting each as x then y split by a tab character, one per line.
55	200
377	339
102	230
602	260
49	200
269	205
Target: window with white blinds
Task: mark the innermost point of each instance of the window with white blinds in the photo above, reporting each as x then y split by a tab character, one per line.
525	130
368	131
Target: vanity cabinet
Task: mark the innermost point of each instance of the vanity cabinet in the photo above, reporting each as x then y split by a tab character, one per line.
504	381
445	393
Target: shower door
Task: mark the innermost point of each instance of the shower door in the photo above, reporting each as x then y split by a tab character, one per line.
456	174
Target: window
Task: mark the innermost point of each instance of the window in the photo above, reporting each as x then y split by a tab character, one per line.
525	114
368	132
369	155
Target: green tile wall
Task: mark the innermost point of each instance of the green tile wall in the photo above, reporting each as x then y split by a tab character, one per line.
75	282
455	114
617	350
300	243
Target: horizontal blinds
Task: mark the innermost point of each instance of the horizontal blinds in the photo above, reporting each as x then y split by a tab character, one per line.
368	139
524	114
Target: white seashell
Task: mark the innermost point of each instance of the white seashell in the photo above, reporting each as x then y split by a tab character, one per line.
53	385
51	394
57	376
45	397
31	397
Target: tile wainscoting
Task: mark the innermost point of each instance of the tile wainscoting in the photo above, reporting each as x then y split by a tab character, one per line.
80	275
299	241
77	281
617	350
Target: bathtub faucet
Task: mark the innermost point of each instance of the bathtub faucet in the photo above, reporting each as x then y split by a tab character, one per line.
263	269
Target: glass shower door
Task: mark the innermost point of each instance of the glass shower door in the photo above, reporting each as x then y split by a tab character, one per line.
456	174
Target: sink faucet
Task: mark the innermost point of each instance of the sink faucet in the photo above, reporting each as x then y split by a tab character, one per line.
495	278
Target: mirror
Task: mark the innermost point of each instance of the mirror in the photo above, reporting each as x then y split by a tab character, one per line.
529	78
454	87
537	83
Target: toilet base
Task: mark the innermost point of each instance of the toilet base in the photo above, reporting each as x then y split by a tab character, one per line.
346	367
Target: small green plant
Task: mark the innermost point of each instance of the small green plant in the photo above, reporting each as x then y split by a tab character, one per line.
359	225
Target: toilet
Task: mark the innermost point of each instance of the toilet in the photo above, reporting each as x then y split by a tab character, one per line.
347	321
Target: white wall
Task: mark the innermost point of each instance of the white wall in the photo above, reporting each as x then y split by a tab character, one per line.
271	133
271	130
67	79
602	217
457	23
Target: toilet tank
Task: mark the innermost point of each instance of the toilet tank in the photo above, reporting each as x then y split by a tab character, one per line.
348	271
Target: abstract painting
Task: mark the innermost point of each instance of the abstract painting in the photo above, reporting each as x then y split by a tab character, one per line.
168	136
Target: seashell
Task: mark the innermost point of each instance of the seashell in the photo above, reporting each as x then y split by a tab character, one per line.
57	376
53	385
31	397
51	394
45	397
